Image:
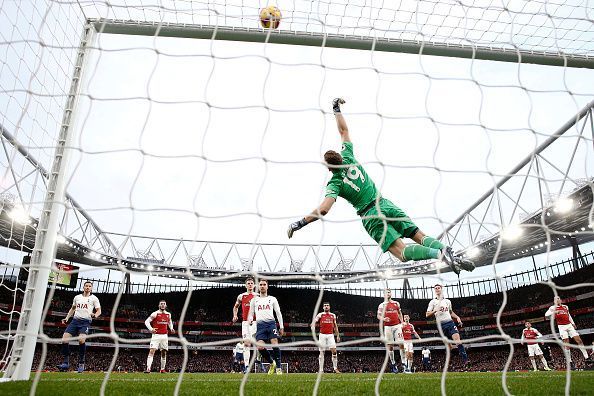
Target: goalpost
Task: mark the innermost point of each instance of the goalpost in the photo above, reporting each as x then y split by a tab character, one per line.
526	33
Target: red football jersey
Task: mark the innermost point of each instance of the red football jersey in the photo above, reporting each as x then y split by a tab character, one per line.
326	321
390	310
161	321
408	331
562	315
530	335
245	305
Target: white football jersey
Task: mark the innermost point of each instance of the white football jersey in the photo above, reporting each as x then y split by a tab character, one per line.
238	348
426	353
443	307
84	306
264	309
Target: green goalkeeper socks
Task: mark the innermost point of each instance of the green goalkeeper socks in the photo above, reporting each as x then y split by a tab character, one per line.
432	243
418	252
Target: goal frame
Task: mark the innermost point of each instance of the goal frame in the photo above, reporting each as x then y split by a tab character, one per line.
30	325
419	47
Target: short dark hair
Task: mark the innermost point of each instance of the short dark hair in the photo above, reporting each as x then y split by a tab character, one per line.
249	278
88	282
264	280
333	159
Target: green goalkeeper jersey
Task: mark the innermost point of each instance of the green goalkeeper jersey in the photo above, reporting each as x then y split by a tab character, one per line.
352	183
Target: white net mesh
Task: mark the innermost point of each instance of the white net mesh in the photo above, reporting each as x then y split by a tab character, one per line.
191	156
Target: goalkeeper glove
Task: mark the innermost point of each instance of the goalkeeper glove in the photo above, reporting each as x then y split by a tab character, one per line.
336	104
296	226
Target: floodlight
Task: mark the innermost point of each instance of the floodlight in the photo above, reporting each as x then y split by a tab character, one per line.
563	205
473	251
19	215
511	232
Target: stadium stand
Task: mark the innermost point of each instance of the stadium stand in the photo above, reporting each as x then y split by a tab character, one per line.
206	321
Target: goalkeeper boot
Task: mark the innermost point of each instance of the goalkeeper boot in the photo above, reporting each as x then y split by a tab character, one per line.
447	256
465	264
272	368
279	371
547	369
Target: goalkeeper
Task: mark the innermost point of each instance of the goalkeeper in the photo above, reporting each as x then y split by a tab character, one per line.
386	223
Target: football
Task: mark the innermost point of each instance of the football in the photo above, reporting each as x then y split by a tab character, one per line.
270	17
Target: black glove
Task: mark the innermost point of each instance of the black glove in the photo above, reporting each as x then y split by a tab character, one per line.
296	226
336	104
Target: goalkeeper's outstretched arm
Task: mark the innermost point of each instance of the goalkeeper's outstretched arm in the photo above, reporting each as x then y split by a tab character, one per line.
327	203
318	213
340	121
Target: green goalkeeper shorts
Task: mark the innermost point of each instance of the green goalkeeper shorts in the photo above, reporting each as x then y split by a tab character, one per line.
396	225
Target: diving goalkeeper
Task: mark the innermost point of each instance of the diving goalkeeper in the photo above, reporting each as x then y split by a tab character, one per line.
385	222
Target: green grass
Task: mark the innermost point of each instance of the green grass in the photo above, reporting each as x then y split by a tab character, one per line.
475	384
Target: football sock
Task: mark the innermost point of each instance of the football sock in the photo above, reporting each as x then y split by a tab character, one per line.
321	361
335	361
462	352
246	355
567	355
418	252
149	362
266	355
66	352
431	242
544	362
277	356
402	356
163	362
533	364
82	348
392	360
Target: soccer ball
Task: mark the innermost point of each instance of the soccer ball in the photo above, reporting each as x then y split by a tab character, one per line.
270	17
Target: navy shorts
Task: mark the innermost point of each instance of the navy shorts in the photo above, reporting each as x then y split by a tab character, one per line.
78	326
425	360
239	357
449	328
266	331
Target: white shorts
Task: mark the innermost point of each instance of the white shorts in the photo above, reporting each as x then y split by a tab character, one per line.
534	349
248	331
160	341
567	331
393	334
408	346
327	341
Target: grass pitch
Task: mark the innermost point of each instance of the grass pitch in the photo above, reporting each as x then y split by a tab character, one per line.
524	383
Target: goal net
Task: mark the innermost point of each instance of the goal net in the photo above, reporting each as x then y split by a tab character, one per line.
160	150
